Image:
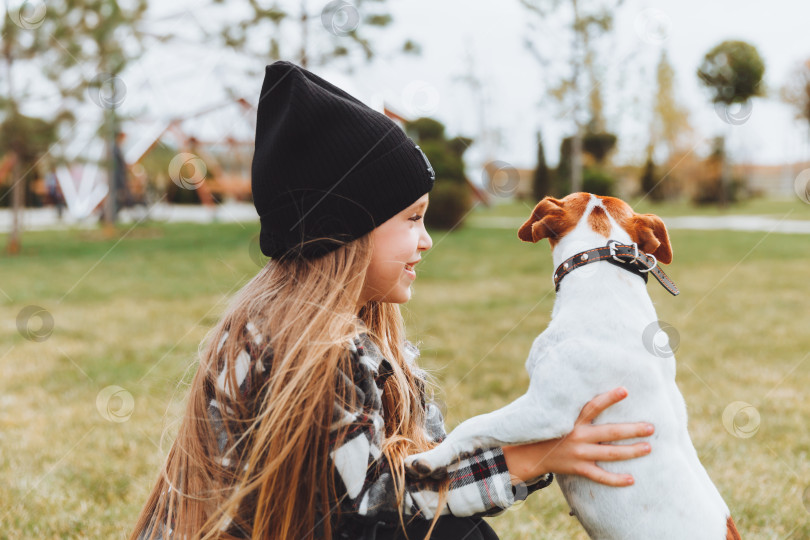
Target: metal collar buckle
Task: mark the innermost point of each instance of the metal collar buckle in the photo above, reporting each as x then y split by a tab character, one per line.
612	246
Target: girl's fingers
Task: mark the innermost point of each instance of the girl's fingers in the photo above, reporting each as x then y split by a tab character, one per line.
594	407
598	474
617	432
615	452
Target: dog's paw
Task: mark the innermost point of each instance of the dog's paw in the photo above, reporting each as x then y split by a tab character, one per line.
464	454
419	466
416	467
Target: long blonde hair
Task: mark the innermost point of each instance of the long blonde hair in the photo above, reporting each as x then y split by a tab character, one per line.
275	481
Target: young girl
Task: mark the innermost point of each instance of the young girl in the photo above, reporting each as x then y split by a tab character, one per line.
308	397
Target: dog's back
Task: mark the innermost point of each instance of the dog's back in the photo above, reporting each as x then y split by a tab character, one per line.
673	496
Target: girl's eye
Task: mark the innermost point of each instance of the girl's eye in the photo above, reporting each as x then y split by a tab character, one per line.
416	217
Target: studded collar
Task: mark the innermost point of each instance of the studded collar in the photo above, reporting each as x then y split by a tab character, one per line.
626	256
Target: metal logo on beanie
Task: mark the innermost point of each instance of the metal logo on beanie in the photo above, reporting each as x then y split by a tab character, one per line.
327	169
429	166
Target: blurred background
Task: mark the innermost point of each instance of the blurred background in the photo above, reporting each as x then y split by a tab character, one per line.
126	221
154	104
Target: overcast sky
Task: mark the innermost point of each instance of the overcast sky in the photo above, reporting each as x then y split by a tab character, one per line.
458	36
495	32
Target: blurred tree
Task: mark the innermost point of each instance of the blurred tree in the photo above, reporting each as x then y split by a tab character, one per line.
19	45
650	185
541	184
670	119
23	140
427	129
709	189
590	20
598	145
669	131
63	39
487	136
100	37
445	154
732	71
595	179
598	181
561	184
450	198
338	29
458	145
797	93
27	139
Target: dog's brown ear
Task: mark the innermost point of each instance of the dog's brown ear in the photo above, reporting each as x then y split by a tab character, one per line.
543	222
649	232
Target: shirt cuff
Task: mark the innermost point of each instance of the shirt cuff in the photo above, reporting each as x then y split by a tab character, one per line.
480	483
521	491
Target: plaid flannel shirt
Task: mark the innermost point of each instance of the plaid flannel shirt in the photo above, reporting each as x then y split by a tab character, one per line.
479	484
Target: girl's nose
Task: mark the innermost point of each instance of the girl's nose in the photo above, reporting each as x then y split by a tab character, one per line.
425	241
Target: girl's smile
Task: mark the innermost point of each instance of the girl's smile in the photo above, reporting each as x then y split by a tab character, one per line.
409	270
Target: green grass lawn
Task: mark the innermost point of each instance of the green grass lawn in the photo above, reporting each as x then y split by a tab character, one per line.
132	311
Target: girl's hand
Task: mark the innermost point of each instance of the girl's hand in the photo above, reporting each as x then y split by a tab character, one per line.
578	452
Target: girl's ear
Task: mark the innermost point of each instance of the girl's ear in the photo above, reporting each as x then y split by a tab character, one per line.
649	232
544	221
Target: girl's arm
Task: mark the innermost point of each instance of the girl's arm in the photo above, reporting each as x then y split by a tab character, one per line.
481	484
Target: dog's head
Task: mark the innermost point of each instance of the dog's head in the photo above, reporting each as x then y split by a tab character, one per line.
588	215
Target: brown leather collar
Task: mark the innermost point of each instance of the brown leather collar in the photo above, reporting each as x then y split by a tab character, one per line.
626	256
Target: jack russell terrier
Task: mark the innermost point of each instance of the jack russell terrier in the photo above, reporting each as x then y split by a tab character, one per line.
597	340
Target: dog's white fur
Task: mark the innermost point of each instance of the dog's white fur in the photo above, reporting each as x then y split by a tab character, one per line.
594	344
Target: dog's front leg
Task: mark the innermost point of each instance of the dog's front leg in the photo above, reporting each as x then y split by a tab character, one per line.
547	411
485	431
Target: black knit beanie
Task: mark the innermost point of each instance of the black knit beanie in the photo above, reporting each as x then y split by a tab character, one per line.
327	169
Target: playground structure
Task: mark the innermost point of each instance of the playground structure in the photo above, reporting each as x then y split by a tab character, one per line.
227	160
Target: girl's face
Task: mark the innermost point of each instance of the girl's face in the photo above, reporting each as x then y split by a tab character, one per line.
398	246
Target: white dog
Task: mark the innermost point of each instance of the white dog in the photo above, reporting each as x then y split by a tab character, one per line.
602	336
